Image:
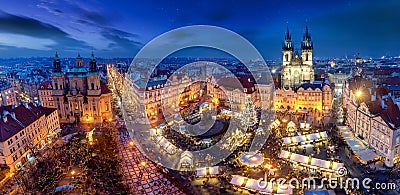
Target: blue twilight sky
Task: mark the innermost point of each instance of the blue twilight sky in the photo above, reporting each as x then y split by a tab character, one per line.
120	28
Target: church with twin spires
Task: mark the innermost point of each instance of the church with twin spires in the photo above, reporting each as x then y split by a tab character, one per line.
79	95
297	69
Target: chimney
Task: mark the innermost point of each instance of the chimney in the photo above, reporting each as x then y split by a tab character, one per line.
27	105
373	96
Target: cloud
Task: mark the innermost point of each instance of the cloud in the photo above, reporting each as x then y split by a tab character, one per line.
22	41
54	11
30	27
93	16
120	39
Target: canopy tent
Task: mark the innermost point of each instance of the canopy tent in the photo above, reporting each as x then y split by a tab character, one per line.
313	136
299	139
305	138
299	158
363	153
275	124
291	126
165	144
304	125
355	144
260	186
287	140
345	131
155	132
205	171
324	134
237	180
186	159
284	154
367	156
251	159
335	165
309	161
320	163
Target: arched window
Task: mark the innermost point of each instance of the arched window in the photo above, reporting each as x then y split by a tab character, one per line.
286	57
307	57
92	84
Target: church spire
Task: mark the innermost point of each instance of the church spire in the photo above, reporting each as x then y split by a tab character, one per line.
56	63
92	63
287	45
79	61
307	44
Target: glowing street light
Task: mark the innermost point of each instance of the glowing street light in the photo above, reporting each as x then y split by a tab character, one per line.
358	93
143	163
131	143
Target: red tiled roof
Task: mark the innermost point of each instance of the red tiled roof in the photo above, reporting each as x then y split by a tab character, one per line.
385	108
9	128
23	118
46	86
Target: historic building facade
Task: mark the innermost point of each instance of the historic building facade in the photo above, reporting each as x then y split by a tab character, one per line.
7	94
45	92
24	129
297	69
373	116
317	96
79	95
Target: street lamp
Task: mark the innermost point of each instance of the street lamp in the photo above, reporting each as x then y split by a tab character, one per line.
358	93
73	173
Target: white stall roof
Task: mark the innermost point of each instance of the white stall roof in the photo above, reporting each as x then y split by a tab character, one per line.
207	171
237	180
323	134
367	155
284	154
299	158
355	144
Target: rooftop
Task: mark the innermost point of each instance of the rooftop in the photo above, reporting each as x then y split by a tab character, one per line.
16	119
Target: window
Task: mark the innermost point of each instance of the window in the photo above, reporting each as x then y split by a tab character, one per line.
92	84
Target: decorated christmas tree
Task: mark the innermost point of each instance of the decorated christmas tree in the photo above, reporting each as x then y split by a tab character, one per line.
249	114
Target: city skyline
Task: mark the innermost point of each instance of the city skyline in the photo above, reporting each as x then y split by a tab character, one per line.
120	29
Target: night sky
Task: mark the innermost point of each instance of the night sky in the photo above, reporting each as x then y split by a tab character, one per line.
120	28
